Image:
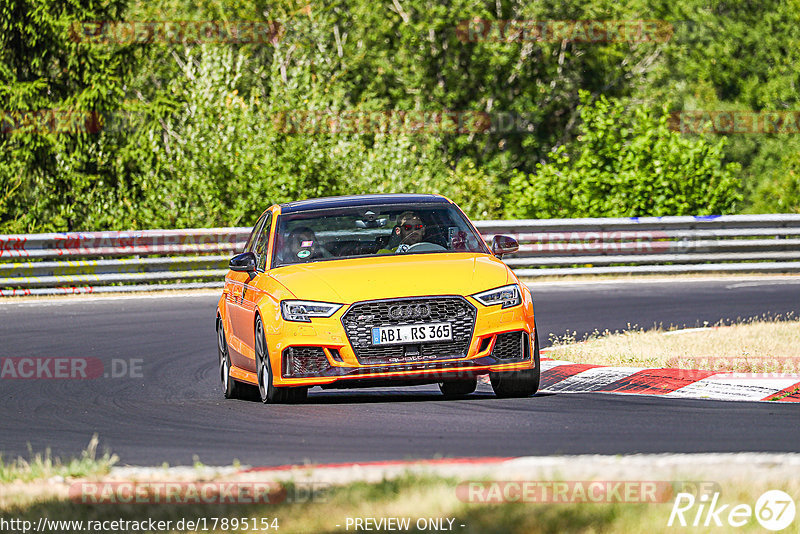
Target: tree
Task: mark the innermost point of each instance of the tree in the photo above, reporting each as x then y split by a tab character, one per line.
627	163
54	86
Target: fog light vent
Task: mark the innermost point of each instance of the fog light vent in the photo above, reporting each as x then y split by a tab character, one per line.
301	362
511	346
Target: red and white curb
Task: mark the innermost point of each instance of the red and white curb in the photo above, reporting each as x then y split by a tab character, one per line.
567	377
717	466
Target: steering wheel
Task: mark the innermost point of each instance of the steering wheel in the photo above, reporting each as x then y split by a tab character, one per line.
421	247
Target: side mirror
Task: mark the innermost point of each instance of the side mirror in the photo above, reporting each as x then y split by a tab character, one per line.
503	244
243	263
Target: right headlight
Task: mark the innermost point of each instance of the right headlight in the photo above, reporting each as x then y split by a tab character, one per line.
303	310
506	296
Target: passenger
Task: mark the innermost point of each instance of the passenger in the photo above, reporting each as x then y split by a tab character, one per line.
301	245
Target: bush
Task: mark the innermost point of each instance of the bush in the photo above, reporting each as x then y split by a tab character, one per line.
627	163
773	183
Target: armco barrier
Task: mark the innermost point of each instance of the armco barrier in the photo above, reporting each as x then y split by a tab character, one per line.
100	262
652	245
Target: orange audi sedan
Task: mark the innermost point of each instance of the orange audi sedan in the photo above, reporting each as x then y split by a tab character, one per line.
373	290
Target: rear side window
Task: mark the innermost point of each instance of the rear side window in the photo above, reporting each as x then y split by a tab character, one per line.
248	247
261	247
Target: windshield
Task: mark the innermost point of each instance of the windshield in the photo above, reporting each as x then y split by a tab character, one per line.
362	231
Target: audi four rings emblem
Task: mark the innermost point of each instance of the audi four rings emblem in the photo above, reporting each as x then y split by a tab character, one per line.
410	311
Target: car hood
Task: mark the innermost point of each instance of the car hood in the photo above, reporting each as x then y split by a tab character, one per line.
357	279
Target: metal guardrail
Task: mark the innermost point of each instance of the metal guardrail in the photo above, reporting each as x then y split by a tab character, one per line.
147	260
102	262
652	245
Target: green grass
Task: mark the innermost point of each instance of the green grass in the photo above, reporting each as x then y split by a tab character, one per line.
784	395
44	466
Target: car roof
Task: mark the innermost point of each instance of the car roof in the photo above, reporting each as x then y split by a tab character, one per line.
360	200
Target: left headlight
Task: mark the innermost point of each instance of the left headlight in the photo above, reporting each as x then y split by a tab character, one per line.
507	296
303	310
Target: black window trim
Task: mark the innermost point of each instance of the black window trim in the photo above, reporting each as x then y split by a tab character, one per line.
251	240
267	220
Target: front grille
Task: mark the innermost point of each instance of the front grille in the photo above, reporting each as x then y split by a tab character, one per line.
363	316
510	346
304	361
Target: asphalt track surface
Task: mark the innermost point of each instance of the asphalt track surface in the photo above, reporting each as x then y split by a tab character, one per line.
175	412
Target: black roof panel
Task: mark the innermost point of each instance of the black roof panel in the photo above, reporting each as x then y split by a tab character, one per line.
359	200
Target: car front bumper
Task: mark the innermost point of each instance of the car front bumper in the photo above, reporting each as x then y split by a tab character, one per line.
328	358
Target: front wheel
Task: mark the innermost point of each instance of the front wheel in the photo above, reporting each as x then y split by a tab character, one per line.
268	392
509	384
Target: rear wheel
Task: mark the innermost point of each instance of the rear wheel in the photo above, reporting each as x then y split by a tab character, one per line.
231	389
458	388
268	392
523	383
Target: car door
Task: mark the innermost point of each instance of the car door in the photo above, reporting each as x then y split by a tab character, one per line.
250	295
237	307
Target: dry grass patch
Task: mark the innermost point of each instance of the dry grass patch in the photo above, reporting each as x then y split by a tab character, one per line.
430	495
752	346
413	497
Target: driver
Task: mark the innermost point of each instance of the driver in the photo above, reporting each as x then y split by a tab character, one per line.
409	230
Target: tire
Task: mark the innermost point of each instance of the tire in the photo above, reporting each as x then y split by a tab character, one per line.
267	391
515	384
458	388
231	389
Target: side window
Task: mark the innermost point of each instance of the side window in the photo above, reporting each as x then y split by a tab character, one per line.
248	247
262	244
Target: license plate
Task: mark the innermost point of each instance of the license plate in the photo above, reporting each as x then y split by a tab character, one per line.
412	333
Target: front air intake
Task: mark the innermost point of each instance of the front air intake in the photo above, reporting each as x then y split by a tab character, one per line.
302	362
511	346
